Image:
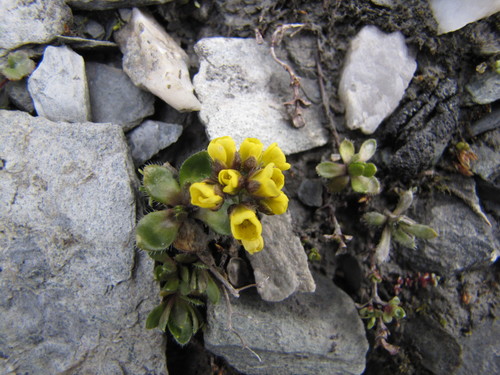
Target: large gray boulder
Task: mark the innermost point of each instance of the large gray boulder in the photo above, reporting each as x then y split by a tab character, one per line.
307	334
75	292
242	91
37	21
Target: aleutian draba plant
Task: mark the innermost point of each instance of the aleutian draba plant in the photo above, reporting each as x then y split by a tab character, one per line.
354	169
398	227
221	187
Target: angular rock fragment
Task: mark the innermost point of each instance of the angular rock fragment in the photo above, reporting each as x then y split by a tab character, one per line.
59	87
75	293
308	334
154	62
485	88
19	95
37	21
151	137
243	90
114	98
377	71
452	15
281	269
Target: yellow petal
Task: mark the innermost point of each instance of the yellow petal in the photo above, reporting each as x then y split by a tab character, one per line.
222	149
253	246
273	154
251	147
244	224
267	182
277	205
230	179
204	195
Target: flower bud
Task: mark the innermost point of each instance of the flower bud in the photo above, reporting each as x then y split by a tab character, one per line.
205	195
251	148
231	180
275	206
222	150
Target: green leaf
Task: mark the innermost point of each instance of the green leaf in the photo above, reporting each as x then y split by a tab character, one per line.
403	238
405	201
356	169
374	218
156	231
387	318
192	301
161	185
395	301
424	232
194	318
346	151
365	185
165	316
370	170
367	150
218	220
213	291
337	184
365	313
202	280
371	323
383	247
153	318
180	324
327	169
185	258
18	66
160	256
171	285
399	313
196	168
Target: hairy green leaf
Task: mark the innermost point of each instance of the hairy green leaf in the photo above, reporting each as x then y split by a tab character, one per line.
327	169
153	318
196	168
156	231
161	185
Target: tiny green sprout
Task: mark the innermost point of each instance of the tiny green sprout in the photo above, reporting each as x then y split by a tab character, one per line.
398	227
314	255
18	66
497	66
354	169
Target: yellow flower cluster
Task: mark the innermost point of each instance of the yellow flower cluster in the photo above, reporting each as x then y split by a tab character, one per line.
252	177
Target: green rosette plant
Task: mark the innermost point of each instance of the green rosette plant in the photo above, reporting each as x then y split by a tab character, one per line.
354	169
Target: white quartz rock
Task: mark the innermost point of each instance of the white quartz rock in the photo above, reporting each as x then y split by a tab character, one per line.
154	62
59	86
377	71
452	15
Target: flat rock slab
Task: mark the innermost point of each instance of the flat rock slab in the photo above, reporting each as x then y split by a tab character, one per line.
36	21
59	86
308	334
75	293
242	91
377	70
281	269
114	98
112	4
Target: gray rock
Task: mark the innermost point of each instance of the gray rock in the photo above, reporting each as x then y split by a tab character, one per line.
94	29
155	62
281	269
311	192
423	137
114	98
489	122
480	350
377	70
485	88
242	90
75	292
151	137
23	22
464	239
307	334
438	351
59	87
487	149
112	4
19	95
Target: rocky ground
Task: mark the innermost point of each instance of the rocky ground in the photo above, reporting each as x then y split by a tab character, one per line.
75	130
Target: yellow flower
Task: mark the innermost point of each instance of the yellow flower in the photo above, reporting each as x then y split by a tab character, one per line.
230	179
277	205
266	182
204	195
222	149
251	147
244	224
273	154
253	246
